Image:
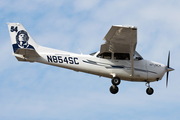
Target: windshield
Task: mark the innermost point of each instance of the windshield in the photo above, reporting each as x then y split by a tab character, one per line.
137	56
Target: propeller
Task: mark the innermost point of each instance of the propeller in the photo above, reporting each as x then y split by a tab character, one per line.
168	69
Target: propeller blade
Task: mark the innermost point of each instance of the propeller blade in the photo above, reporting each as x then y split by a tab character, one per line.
167	79
168	60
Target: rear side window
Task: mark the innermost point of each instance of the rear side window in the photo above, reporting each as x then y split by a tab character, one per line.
121	56
106	55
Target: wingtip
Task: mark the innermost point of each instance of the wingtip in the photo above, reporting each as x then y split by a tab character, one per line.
125	26
8	23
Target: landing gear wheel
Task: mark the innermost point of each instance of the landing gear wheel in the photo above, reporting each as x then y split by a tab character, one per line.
116	81
114	89
149	91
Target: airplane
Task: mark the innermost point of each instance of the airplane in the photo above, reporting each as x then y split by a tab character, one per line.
117	58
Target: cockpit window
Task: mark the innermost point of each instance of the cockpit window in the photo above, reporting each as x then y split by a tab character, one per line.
118	56
137	56
93	53
106	55
121	56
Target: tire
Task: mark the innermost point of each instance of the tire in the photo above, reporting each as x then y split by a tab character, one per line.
149	91
114	89
116	81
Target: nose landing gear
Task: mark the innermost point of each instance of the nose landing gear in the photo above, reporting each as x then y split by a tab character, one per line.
115	81
149	90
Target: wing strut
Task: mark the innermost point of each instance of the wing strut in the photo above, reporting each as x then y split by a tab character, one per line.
132	60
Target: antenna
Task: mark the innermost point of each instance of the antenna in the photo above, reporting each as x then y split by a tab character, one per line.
79	50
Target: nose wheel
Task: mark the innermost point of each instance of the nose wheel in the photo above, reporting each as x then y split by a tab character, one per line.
149	90
115	81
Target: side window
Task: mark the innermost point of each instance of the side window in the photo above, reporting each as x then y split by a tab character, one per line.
106	55
121	56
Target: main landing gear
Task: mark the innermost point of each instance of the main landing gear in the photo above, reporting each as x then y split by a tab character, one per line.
115	81
149	90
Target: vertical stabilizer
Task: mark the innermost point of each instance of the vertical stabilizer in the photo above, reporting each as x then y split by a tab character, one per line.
20	38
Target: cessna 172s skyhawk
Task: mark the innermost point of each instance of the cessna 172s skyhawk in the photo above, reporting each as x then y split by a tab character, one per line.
117	58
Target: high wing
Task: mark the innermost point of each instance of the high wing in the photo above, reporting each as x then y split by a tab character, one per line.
121	39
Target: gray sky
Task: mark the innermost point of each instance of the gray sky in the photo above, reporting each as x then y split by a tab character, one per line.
35	91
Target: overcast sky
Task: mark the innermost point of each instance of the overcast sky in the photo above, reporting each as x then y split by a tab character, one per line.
34	91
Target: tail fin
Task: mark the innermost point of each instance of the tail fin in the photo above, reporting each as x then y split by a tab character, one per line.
23	45
20	38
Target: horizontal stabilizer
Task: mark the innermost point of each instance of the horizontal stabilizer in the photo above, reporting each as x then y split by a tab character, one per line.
27	52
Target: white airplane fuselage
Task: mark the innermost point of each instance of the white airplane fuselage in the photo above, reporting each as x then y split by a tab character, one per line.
144	70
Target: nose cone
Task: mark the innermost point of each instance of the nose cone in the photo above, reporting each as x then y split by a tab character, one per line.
169	69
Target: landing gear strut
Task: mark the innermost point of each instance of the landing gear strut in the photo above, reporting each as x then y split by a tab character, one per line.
149	90
115	81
